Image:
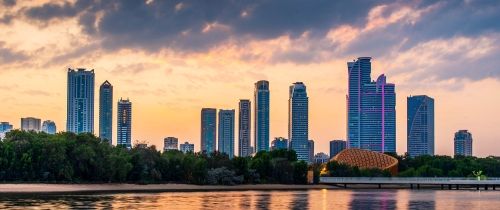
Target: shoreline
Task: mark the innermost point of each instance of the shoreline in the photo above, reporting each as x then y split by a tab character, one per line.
150	188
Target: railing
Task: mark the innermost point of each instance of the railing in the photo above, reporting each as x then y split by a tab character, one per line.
409	180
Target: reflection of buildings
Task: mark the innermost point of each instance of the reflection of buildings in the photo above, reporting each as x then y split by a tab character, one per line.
366	159
374	200
299	201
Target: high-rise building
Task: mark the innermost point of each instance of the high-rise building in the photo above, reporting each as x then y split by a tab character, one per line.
208	130
420	125
463	143
30	124
321	158
336	146
106	111
49	126
244	125
124	123
371	109
4	128
261	128
226	132
310	146
170	143
80	104
187	147
298	120
279	143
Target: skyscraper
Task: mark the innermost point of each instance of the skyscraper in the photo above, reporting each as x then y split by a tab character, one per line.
208	130
244	124
106	111
226	132
420	125
124	123
261	100
30	124
463	143
371	109
336	146
298	120
279	143
170	143
186	147
49	126
310	145
80	104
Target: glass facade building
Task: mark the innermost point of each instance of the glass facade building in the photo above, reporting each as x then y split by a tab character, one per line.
261	128
371	109
49	126
106	111
186	147
279	143
226	132
80	101
208	130
124	123
463	143
337	146
420	125
298	121
244	127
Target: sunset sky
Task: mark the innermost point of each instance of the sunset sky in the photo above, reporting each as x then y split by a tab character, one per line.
171	58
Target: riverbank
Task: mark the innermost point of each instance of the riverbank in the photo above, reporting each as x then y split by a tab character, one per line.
132	188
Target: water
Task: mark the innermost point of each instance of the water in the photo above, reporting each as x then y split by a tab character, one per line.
307	199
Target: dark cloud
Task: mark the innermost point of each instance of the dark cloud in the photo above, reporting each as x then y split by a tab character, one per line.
10	56
8	3
180	24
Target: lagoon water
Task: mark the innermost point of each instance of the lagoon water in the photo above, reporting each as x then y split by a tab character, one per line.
306	199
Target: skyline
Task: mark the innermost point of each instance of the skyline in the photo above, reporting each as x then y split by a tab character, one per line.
169	83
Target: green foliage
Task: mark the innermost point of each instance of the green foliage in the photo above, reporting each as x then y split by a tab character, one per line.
446	166
84	158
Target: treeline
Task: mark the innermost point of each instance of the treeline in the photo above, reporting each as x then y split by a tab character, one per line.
446	166
423	166
84	158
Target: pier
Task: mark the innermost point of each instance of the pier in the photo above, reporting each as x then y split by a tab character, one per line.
445	183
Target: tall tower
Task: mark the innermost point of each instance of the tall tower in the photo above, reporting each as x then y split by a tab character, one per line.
226	132
298	120
244	127
420	125
106	111
358	74
124	123
208	130
261	94
80	101
371	109
463	143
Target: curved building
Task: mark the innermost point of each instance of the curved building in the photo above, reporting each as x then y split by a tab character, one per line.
366	159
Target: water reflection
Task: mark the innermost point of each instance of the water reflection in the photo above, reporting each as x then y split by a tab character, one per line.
374	200
312	199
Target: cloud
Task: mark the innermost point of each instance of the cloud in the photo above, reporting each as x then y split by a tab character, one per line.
8	3
8	56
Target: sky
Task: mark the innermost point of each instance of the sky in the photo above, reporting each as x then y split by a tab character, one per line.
171	58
